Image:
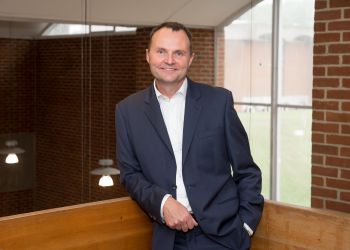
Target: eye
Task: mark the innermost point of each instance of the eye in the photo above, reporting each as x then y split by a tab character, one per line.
179	53
161	51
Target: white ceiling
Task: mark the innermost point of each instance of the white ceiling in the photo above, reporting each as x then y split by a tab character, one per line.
35	15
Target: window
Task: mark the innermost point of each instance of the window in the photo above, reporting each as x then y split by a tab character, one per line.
268	67
62	29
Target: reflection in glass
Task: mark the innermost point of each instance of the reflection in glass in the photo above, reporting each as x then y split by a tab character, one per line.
296	52
248	55
256	121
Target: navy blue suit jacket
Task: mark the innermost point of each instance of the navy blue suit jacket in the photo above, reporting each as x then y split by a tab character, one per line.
213	141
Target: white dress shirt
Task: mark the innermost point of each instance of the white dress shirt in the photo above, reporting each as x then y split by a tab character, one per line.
173	112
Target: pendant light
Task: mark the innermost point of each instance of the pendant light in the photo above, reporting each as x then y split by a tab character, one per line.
11	149
106	169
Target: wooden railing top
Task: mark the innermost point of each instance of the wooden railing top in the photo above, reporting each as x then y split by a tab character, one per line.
121	224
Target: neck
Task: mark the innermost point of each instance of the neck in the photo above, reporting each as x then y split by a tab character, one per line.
168	90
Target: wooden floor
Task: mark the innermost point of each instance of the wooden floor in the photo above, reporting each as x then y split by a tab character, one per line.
120	224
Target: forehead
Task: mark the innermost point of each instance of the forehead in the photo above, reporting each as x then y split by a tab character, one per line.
170	39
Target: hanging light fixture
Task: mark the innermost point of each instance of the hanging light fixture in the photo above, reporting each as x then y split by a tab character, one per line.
106	168
105	171
11	151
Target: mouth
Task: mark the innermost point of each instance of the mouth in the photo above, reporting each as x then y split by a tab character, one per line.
168	69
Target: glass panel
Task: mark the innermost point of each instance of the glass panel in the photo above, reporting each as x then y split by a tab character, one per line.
248	55
125	29
294	150
296	51
100	28
256	121
60	29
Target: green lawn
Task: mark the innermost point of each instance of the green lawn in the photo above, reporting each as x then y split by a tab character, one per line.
294	151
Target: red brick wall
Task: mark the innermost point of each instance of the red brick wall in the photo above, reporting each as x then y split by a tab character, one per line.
331	106
64	160
16	202
17	108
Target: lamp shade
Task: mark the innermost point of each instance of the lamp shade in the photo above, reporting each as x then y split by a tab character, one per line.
11	151
11	159
106	171
106	181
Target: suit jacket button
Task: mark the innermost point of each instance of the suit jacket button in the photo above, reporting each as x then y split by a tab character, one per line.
174	187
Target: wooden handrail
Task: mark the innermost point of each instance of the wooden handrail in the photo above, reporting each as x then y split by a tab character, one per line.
112	224
121	224
284	226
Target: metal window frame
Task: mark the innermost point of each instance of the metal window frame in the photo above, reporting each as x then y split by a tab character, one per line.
275	74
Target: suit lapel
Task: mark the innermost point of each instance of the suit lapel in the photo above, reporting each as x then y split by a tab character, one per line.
192	112
154	114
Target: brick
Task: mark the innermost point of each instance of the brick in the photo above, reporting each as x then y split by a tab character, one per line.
338	94
318	94
346	59
323	192
325	127
318	115
346	13
319	49
329	172
326	82
338	140
338	71
338	162
317	181
337	183
345	129
319	27
338	206
325	105
338	117
317	203
346	36
345	106
321	60
319	71
339	48
327	15
339	3
345	196
339	25
317	159
345	152
345	174
320	4
318	138
326	37
346	83
324	149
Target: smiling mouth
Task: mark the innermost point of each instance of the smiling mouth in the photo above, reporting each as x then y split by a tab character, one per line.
168	69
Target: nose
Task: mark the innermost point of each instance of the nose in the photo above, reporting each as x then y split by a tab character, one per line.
169	59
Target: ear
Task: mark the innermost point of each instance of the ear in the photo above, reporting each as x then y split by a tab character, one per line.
147	55
191	59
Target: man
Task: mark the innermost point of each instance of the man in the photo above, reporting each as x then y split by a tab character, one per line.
184	155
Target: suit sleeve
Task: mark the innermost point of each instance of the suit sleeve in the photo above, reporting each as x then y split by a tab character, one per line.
246	173
146	194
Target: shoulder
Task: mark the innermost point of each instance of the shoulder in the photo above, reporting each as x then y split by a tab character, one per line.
209	90
134	99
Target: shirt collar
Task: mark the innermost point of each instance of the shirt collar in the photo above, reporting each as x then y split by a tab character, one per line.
182	90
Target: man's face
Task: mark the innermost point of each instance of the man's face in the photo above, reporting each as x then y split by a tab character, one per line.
169	56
